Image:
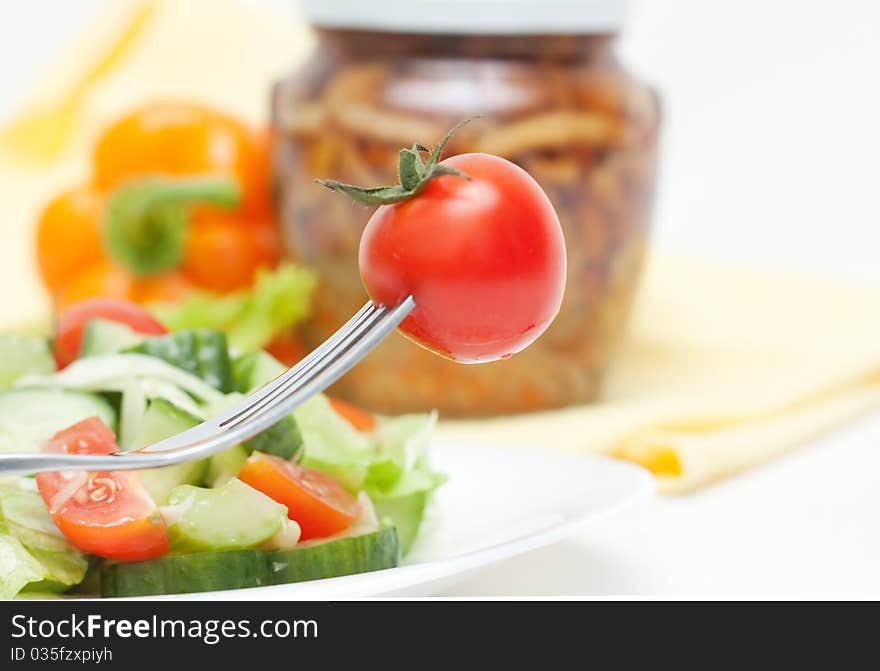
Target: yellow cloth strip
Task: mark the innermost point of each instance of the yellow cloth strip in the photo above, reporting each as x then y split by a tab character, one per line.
723	368
40	134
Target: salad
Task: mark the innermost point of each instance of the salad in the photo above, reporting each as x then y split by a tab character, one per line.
331	490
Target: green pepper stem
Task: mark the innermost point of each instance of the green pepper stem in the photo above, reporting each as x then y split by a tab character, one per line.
145	221
210	191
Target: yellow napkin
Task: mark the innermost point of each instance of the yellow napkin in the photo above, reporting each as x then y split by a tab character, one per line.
723	368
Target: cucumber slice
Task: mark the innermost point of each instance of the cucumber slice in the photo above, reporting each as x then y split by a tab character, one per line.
102	336
29	417
21	354
177	574
233	569
255	369
201	352
344	556
251	371
161	420
225	465
232	517
404	513
282	439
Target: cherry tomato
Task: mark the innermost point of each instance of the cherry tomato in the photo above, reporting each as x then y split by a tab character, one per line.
484	259
72	322
184	139
358	418
222	254
319	504
106	513
69	237
103	279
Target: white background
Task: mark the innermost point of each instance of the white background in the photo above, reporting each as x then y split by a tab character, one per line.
770	156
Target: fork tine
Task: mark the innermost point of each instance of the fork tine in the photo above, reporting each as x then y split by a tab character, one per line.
333	365
289	382
251	415
277	386
217	423
300	368
353	348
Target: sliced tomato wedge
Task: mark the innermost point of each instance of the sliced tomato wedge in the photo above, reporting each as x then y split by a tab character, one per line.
72	323
319	504
357	417
106	513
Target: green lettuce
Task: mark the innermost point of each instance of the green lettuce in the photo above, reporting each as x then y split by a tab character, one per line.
33	553
278	300
22	355
389	463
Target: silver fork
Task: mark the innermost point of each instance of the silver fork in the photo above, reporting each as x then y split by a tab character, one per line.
254	413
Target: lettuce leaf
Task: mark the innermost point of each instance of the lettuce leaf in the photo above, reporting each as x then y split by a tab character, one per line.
33	553
390	460
278	300
333	446
22	355
390	463
17	567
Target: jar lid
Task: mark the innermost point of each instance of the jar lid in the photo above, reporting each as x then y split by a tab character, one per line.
480	17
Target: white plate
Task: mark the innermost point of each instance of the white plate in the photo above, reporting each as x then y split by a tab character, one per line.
498	502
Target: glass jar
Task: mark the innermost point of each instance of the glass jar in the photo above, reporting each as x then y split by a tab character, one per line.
556	101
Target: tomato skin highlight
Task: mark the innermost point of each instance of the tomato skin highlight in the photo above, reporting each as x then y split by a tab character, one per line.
71	323
110	513
484	259
319	504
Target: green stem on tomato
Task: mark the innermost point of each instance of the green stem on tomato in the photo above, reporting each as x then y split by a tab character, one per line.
413	172
144	225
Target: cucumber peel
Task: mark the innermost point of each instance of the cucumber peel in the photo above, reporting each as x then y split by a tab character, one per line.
200	352
234	569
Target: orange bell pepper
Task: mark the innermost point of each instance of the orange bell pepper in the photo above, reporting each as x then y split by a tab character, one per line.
166	211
